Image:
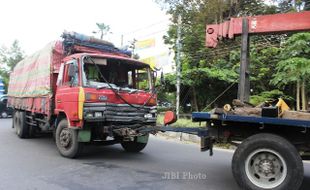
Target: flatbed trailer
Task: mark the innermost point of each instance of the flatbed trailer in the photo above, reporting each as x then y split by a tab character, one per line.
269	150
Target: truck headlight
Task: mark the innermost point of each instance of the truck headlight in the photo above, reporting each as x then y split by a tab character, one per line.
148	115
89	115
98	114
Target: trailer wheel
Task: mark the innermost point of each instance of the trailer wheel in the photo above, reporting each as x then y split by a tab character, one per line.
67	140
22	129
267	161
133	146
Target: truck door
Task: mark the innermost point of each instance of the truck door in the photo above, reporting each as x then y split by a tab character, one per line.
67	93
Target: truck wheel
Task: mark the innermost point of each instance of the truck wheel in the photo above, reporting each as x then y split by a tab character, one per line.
15	118
4	114
267	161
22	129
67	140
133	146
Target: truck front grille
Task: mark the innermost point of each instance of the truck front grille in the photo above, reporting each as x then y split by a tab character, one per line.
120	113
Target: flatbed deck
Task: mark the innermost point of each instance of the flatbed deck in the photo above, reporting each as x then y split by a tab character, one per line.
206	116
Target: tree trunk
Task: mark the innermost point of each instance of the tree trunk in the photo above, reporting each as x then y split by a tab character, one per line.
303	95
298	96
195	99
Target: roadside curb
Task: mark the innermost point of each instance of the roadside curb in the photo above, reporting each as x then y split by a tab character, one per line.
188	138
183	137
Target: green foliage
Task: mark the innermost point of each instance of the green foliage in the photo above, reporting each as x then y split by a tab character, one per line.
298	45
103	28
208	72
9	57
197	77
267	96
291	70
294	64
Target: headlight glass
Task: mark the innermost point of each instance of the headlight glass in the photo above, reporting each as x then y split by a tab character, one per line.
98	114
148	115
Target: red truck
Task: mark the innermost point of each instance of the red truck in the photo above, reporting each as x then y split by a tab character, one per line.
84	90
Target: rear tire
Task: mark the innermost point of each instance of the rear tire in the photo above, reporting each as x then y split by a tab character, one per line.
133	146
15	118
67	140
267	161
21	127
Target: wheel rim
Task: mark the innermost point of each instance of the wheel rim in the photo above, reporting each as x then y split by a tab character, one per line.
4	114
266	168
65	138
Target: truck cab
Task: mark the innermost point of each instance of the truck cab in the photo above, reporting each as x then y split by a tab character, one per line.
105	96
86	91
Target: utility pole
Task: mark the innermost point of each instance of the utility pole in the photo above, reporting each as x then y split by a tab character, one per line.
133	47
122	40
178	65
244	81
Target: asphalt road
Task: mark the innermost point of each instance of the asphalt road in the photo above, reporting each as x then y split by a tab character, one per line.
36	164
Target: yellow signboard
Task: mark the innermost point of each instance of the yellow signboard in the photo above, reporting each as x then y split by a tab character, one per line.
151	61
143	44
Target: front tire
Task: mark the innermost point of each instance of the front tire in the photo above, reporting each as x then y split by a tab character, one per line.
267	161
133	146
67	140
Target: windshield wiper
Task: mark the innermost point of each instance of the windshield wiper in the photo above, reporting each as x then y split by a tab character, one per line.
101	87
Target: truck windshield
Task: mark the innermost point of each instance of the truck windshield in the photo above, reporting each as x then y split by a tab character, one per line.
121	74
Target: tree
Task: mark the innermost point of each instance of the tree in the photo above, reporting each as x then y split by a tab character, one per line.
208	72
103	29
292	5
294	66
9	57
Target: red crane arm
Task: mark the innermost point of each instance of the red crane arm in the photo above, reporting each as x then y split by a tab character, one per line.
262	24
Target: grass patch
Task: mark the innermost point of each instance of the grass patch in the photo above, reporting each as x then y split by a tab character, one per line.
182	122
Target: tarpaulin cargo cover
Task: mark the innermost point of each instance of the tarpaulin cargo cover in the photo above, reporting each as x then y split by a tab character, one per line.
32	77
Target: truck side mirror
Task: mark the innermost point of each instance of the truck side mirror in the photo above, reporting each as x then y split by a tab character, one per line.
72	70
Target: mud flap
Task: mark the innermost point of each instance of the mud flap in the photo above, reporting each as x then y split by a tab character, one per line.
206	143
84	135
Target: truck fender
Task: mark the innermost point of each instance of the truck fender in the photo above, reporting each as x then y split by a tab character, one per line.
60	116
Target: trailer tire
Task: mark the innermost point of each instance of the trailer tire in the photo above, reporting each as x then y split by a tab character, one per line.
133	146
267	161
22	128
67	140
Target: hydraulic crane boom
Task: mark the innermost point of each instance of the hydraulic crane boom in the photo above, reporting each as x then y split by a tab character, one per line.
263	24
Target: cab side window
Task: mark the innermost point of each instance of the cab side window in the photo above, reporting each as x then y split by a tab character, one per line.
71	74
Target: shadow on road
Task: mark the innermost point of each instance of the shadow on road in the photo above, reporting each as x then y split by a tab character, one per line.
306	183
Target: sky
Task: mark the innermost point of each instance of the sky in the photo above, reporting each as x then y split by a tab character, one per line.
34	23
